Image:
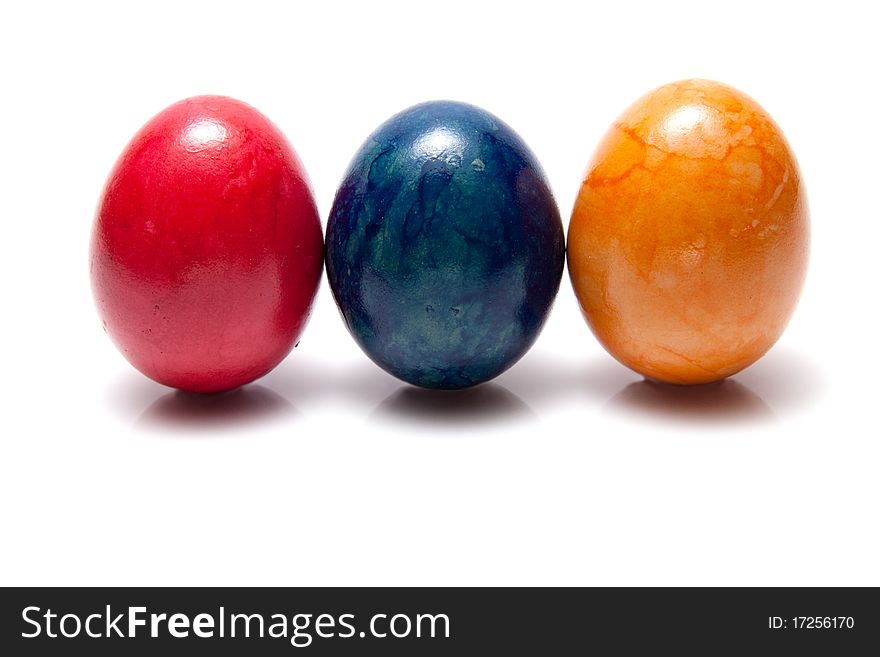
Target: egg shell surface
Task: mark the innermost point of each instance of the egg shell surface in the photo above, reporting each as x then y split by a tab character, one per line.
444	246
207	249
689	239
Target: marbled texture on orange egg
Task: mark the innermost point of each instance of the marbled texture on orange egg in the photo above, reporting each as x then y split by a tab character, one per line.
689	239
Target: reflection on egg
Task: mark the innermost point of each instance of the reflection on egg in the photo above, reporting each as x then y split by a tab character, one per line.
207	249
689	239
444	246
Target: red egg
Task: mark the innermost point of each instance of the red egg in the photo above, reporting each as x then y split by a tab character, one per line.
207	249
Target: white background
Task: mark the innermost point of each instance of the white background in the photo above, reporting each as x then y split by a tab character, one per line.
567	469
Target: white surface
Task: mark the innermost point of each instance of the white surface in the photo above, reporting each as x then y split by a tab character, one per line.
566	470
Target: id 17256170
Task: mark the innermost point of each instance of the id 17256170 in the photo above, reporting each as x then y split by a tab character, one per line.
811	623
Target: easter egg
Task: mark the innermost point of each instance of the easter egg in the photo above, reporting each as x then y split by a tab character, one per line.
689	239
207	249
444	246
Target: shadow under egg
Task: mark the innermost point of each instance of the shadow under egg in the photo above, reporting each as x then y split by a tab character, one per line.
484	404
724	402
248	405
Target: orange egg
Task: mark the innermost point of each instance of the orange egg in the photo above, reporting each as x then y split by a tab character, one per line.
689	239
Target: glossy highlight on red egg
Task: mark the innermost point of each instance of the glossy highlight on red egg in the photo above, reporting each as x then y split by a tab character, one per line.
207	249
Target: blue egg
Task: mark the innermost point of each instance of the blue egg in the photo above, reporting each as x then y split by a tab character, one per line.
444	246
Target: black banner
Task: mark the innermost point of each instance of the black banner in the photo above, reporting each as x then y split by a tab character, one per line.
446	621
